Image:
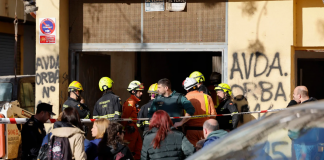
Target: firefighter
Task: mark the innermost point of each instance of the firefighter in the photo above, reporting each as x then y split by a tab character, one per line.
226	106
130	110
199	77
75	100
203	104
215	79
109	105
144	125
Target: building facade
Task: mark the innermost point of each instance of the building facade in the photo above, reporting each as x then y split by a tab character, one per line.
262	48
26	50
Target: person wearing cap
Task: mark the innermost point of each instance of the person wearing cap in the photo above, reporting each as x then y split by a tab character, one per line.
33	131
226	106
75	100
144	125
130	110
109	105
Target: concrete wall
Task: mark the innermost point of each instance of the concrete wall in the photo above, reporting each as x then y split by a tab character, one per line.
52	59
260	36
122	72
310	22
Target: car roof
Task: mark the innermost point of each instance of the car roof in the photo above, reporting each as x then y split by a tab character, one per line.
11	78
304	115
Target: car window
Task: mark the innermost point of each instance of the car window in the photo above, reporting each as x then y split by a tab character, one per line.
285	144
27	96
5	91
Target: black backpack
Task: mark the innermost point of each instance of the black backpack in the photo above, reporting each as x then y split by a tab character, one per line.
59	149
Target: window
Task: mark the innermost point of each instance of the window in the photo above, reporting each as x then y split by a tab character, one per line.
27	96
5	91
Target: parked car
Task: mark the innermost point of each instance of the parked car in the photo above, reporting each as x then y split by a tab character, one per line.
294	133
21	89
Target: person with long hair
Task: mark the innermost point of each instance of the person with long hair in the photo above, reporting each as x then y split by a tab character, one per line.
70	127
111	146
162	142
98	130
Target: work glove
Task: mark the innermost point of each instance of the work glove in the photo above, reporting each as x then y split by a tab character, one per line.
130	129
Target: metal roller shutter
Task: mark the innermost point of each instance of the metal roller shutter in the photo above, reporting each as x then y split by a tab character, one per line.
7	44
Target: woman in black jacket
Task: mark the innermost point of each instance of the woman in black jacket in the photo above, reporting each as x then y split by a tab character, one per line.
160	142
112	147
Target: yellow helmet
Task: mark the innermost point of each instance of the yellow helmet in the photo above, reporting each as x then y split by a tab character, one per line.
153	88
135	85
105	83
75	85
198	76
224	87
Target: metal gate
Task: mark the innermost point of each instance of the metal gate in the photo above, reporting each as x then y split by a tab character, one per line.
7	55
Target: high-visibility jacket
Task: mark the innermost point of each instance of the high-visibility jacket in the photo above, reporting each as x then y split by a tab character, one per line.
203	104
108	106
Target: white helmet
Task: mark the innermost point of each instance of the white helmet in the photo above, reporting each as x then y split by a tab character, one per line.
189	83
135	85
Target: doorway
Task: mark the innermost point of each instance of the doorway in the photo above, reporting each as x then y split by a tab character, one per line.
175	66
310	74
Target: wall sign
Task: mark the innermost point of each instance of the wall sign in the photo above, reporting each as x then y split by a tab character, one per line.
175	5
47	30
154	5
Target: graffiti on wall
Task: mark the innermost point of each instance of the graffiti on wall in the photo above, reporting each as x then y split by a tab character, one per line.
48	67
251	69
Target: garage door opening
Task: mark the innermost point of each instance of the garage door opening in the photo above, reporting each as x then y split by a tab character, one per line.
147	67
176	66
310	66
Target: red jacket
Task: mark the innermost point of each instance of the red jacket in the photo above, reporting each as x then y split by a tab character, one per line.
130	110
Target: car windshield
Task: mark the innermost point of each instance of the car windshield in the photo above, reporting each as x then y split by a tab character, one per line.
5	91
296	134
285	144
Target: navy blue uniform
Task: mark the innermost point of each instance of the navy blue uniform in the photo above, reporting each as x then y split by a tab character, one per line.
82	109
108	106
144	125
32	134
